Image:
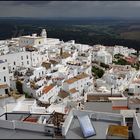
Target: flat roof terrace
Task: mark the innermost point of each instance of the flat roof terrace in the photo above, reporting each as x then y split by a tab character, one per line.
101	127
100	106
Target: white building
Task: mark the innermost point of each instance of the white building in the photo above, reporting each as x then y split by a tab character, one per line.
4	78
34	81
104	57
23	59
49	93
134	88
78	82
120	50
3	47
33	40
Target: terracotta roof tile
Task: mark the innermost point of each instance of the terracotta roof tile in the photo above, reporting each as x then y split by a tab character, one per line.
3	86
118	130
47	65
63	94
46	89
53	62
76	78
73	90
120	108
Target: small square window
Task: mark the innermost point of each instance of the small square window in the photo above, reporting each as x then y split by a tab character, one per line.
21	57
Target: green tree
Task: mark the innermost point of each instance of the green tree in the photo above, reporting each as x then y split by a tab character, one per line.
121	61
97	71
19	87
104	65
118	55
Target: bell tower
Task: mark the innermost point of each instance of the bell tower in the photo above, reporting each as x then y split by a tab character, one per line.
44	33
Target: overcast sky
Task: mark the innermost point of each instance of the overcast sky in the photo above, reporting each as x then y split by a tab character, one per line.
70	9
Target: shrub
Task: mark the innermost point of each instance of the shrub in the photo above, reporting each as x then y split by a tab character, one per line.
27	95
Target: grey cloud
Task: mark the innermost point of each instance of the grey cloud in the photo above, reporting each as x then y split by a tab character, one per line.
70	8
24	3
31	3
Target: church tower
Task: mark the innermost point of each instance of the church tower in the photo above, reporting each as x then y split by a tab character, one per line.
44	33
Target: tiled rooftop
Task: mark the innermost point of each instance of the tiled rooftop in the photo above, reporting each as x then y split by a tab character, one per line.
73	90
120	131
3	86
76	78
63	94
119	107
134	101
46	89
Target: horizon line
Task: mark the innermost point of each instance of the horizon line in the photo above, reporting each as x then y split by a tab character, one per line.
124	18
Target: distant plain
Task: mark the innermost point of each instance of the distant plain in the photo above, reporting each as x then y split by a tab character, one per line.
108	32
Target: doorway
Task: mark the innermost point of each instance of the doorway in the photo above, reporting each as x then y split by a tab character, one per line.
6	91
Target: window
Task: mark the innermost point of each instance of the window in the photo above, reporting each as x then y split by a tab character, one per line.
39	42
14	63
4	68
21	57
28	62
27	57
4	79
22	63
